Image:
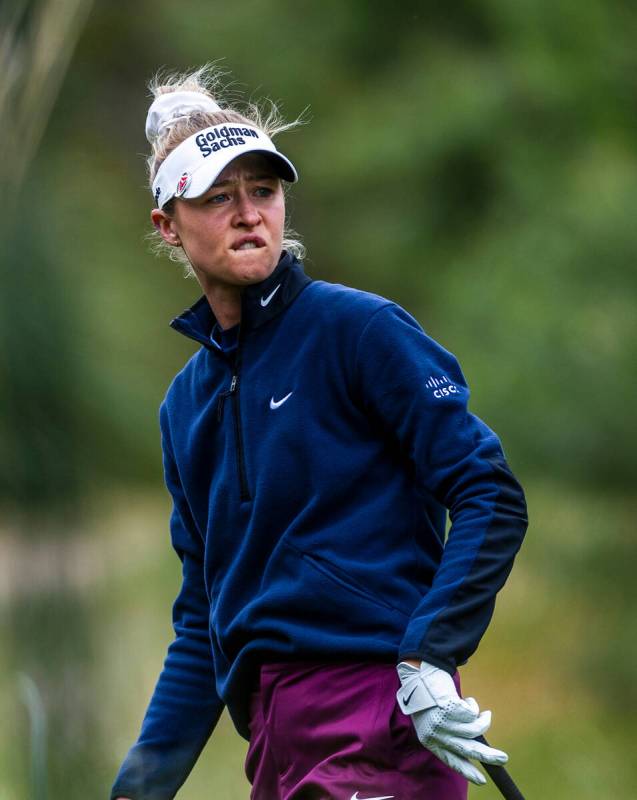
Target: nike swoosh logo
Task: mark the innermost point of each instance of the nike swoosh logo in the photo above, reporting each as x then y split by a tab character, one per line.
384	797
276	403
266	300
409	696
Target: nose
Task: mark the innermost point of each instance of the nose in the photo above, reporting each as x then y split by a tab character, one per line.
246	213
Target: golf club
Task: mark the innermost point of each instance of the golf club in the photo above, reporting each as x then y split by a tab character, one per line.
501	778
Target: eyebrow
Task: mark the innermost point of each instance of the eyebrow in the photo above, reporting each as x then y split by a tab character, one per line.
265	176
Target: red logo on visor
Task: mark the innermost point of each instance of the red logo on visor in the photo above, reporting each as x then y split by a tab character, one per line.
182	185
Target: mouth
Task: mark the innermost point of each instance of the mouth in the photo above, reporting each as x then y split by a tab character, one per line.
248	243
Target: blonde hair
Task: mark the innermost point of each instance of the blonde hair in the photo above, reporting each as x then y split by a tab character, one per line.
209	80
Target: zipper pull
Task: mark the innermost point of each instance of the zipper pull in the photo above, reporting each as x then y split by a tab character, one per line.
223	395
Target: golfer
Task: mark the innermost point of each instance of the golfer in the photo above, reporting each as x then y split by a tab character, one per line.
313	446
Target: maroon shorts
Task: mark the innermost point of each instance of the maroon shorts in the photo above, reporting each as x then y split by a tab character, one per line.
335	732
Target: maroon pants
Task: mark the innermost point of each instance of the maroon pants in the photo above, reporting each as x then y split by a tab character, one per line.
335	732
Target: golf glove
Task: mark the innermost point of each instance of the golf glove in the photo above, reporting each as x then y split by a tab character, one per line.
445	723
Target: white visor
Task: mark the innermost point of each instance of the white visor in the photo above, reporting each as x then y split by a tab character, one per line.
194	165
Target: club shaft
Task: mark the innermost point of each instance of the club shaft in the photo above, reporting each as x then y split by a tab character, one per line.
501	778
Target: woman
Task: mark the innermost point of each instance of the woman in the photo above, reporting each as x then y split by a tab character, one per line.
311	446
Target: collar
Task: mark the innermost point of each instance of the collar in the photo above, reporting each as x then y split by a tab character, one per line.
225	339
260	302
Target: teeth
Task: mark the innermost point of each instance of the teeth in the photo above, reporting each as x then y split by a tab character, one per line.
247	246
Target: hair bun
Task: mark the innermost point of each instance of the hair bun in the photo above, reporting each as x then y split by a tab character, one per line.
169	106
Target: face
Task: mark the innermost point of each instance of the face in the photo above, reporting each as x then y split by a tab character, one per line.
233	233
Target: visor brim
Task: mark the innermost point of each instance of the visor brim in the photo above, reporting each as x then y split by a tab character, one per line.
208	172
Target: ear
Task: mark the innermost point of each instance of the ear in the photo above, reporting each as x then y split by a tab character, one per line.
166	226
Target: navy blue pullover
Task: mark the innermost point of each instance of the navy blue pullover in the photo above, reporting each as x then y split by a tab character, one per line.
311	469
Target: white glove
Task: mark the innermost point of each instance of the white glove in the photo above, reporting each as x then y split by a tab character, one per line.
444	722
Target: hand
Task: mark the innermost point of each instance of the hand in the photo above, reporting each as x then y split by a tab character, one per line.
444	722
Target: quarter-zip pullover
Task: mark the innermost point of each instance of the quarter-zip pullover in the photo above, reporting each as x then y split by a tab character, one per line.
311	469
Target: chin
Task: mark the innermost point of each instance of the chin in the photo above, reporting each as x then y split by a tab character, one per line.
256	271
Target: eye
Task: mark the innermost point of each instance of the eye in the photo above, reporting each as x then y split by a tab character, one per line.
263	191
217	199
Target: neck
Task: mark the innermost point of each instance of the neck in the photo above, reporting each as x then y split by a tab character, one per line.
225	302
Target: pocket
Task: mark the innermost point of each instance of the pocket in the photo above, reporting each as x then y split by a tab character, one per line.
402	732
393	734
344	580
311	608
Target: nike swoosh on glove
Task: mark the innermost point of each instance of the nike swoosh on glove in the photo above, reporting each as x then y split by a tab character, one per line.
445	723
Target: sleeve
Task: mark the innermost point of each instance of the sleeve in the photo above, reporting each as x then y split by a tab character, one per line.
185	707
417	393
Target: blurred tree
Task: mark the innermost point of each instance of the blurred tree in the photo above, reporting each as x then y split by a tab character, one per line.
37	41
38	426
48	636
40	433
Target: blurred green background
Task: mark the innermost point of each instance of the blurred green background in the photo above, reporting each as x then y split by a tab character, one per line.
475	162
